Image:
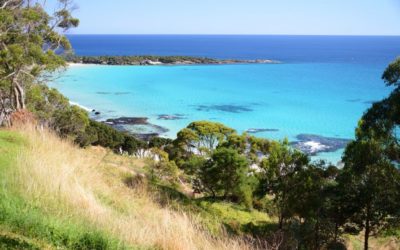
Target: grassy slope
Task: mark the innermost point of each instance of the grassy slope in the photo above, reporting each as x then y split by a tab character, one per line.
57	196
23	225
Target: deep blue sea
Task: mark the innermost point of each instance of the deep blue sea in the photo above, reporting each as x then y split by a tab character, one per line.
322	85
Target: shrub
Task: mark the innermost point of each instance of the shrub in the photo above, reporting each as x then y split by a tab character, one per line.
70	122
226	174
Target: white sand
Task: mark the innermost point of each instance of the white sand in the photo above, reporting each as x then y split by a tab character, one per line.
70	64
81	106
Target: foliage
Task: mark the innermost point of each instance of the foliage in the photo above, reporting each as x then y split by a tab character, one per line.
106	136
159	142
139	60
226	174
391	75
369	182
29	43
202	137
280	168
163	168
366	170
43	102
252	147
71	122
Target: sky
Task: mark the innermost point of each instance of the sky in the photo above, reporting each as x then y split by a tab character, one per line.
294	17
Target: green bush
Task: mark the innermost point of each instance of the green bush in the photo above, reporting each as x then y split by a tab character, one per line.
71	122
226	174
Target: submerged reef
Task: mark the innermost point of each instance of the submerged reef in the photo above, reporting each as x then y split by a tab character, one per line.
230	108
261	130
314	144
171	117
137	126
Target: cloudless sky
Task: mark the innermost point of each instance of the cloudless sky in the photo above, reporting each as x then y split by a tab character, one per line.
300	17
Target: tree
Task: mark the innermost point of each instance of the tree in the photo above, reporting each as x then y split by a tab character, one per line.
71	122
131	145
372	181
30	41
107	136
391	75
44	102
250	146
277	179
202	137
226	174
382	120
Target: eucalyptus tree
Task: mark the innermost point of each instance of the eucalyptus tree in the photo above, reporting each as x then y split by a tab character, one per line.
226	174
202	137
278	176
382	120
31	41
372	181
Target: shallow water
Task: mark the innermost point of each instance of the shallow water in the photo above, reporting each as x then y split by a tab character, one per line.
325	99
323	86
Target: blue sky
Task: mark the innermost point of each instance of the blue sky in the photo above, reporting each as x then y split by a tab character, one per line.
300	17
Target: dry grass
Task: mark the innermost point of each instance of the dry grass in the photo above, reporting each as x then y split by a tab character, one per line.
69	182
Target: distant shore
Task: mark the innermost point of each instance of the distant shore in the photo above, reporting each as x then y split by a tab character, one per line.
157	60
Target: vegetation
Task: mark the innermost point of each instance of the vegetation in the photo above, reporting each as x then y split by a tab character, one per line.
59	196
29	43
210	188
153	60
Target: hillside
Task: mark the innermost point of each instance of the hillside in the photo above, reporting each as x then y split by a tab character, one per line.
56	195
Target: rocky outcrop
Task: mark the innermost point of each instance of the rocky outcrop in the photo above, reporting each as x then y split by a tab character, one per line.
137	126
314	144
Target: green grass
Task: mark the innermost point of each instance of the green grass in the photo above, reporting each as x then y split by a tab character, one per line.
23	226
235	218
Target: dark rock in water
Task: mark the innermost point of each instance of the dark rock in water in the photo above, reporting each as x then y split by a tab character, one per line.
97	113
260	130
128	120
314	144
137	126
171	117
224	108
93	110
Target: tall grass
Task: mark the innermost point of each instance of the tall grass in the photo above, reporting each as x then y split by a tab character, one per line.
73	184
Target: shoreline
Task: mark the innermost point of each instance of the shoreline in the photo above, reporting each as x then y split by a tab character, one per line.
77	61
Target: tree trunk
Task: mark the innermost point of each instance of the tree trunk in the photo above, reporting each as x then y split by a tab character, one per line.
19	96
336	231
316	229
6	109
367	232
280	222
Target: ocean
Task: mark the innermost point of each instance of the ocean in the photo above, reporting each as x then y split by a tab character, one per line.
321	87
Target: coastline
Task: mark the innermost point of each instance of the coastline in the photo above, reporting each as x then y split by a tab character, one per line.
210	109
76	61
74	64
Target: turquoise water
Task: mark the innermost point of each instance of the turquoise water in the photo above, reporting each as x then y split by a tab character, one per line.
325	99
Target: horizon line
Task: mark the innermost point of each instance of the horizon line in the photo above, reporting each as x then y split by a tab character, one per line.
155	34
